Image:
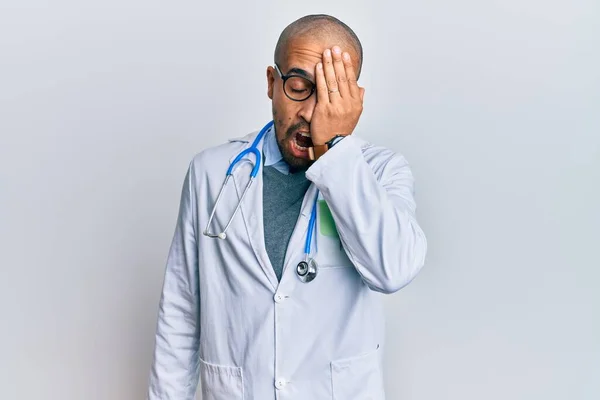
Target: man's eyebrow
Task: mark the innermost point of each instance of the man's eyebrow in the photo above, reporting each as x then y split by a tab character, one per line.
301	72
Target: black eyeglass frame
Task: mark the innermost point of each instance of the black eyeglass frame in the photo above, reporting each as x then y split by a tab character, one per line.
284	78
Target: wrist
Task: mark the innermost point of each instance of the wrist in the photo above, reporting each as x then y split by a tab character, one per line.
319	149
326	140
320	142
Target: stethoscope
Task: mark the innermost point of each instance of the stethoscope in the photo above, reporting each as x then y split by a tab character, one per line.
306	269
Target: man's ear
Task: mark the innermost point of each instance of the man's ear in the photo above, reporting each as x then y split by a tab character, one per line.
270	81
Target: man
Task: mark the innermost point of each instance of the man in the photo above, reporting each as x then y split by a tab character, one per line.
242	311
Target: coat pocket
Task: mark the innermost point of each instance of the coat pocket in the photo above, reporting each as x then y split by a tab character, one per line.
220	382
357	378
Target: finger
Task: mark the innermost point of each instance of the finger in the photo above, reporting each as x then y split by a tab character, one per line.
340	72
332	86
362	94
322	94
351	76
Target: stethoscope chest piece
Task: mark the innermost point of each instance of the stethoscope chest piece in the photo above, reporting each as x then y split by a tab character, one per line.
307	270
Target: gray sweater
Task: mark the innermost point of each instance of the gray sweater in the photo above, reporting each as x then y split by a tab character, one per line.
282	200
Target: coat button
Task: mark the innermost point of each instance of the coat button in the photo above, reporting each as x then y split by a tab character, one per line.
279	298
280	383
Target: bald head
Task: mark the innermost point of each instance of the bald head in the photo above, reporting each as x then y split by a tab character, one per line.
319	27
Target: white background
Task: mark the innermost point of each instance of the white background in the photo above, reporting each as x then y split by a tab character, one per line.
496	104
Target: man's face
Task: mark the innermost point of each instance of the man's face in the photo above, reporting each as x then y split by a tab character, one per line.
292	118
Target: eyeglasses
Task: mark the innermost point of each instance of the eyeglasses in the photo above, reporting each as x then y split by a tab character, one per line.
296	87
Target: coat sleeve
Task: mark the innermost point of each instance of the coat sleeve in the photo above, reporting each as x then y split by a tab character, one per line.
175	368
374	213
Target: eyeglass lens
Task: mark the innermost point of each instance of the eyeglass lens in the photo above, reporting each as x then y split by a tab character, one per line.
298	88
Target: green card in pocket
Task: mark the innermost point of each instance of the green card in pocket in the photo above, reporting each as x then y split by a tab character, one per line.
327	225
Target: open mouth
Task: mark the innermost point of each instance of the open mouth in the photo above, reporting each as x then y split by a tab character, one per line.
302	141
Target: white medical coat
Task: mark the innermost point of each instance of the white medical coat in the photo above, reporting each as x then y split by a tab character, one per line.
224	317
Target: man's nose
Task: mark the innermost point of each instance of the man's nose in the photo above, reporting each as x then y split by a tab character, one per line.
307	108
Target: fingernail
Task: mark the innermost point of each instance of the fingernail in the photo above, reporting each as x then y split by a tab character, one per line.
346	56
327	53
319	66
336	50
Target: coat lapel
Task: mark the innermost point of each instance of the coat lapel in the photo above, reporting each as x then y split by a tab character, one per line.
252	208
